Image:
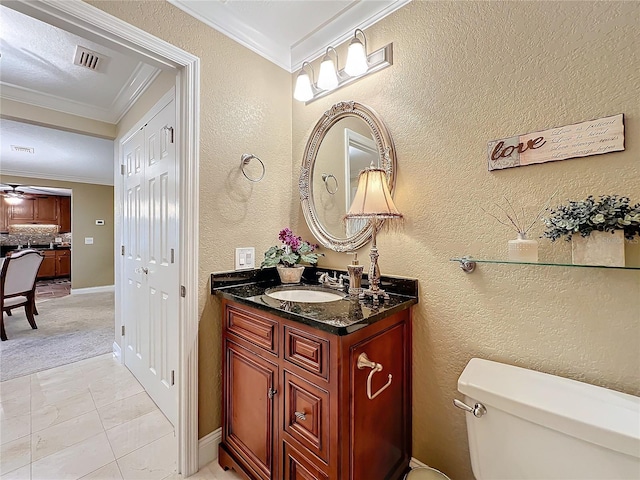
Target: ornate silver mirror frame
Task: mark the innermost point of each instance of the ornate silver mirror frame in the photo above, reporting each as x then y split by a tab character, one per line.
387	161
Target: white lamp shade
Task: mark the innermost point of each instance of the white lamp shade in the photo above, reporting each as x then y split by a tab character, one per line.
303	91
356	59
373	199
327	78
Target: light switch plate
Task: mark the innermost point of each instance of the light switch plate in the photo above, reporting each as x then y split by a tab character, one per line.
245	258
99	222
88	240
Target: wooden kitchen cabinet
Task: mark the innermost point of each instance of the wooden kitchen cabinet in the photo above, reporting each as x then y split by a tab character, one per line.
22	212
64	214
295	403
63	263
46	210
48	266
4	216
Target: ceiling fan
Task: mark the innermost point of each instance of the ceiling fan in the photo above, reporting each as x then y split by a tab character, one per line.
14	196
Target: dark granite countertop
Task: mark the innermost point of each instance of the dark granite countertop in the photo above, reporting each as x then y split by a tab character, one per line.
340	317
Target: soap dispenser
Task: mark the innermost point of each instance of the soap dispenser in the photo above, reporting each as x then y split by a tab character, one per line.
355	276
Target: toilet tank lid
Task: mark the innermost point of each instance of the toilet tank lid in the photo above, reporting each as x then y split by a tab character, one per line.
594	414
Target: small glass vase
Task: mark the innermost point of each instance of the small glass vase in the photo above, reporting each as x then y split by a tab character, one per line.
523	249
290	274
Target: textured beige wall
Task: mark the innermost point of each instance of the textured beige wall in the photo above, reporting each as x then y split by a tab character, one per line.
465	73
91	265
245	108
24	112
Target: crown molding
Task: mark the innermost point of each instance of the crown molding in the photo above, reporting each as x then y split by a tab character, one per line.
229	25
53	176
138	82
362	15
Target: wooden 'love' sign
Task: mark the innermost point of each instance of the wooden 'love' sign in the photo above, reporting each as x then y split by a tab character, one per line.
584	139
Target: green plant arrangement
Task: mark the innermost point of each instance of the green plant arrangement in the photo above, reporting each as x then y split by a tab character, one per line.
606	214
291	252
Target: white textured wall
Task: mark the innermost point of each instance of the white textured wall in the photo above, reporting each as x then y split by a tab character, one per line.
465	73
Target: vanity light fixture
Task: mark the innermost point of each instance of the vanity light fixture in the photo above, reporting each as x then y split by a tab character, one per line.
328	77
304	85
357	56
331	77
373	202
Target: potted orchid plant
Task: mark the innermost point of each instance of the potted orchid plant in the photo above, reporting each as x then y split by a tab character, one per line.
288	256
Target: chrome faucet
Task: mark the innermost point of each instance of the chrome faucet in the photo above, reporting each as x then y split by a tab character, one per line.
331	282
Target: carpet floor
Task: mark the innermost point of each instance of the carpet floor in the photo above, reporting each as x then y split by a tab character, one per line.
70	329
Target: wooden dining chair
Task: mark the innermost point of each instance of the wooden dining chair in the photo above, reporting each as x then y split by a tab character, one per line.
18	285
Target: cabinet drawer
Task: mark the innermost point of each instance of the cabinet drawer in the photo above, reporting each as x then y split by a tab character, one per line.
256	329
307	351
306	414
297	467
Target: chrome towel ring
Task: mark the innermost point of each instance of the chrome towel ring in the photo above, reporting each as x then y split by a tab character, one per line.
326	177
245	161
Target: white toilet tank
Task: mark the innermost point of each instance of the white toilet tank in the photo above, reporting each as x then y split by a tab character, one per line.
543	427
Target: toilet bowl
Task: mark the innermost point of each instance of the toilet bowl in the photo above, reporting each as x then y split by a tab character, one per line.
426	473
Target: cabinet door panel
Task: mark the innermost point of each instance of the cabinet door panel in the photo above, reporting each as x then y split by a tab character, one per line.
249	412
258	330
306	414
22	212
63	263
48	266
296	466
46	210
64	214
307	351
384	417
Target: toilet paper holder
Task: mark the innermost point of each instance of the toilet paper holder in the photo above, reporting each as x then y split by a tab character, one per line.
364	362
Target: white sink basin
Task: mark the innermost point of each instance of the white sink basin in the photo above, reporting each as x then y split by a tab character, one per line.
304	295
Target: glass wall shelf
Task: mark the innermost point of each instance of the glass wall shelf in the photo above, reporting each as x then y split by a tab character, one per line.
468	264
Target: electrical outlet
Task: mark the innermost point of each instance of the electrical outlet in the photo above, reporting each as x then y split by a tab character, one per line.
245	258
88	240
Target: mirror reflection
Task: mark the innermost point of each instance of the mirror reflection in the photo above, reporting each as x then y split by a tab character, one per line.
347	139
346	150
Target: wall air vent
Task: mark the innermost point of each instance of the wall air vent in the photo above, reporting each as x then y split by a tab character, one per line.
16	148
88	58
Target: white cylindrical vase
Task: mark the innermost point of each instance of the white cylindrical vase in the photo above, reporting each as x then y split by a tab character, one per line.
522	249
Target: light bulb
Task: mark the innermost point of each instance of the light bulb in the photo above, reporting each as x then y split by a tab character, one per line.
303	91
13	200
327	78
356	59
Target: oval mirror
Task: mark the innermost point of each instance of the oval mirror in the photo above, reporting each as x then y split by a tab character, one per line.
347	139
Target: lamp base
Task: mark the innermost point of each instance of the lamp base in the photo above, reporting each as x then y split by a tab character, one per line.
374	294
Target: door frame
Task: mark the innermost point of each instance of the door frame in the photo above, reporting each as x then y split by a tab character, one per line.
90	22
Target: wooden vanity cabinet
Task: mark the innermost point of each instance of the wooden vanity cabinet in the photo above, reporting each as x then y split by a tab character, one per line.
295	404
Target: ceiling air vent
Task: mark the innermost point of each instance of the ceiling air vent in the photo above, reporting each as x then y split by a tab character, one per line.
16	148
87	58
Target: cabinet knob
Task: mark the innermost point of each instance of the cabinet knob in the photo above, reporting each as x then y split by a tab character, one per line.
300	415
272	392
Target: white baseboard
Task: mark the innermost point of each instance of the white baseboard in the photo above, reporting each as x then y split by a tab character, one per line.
82	291
116	351
208	447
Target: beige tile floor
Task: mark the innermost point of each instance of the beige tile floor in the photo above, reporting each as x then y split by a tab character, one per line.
89	420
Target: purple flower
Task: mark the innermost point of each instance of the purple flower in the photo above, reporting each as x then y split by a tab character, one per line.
284	234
